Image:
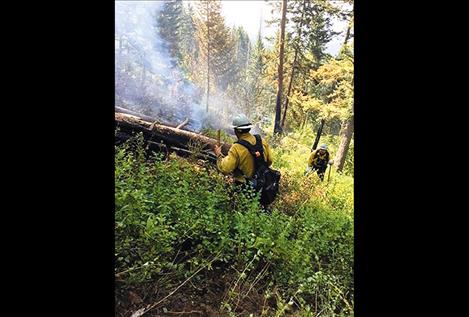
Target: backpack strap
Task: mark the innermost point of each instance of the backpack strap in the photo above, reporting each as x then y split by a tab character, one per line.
316	155
256	150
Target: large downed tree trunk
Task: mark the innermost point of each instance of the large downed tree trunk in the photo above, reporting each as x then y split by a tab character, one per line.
182	125
142	116
160	137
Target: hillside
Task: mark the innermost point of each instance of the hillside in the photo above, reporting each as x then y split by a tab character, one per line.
187	243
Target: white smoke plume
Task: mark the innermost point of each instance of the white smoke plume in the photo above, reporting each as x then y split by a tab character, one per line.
146	80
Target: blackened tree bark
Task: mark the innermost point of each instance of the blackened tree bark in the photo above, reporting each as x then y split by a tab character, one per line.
278	104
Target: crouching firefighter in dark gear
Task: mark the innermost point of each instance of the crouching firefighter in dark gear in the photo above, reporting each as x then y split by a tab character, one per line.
249	159
318	161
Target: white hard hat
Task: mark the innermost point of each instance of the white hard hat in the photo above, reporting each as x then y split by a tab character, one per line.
323	147
240	121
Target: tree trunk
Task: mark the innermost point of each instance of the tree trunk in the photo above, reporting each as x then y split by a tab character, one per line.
278	104
120	48
287	99
119	62
318	135
345	138
347	35
248	57
346	130
246	95
136	114
143	71
303	123
127	65
208	55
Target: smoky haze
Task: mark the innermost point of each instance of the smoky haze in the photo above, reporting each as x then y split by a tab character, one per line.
147	80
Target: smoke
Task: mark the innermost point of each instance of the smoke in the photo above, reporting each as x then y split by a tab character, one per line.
147	80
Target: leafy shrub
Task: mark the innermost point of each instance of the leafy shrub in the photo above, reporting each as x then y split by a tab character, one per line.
174	218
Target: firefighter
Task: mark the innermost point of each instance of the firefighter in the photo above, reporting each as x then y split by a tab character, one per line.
318	161
239	161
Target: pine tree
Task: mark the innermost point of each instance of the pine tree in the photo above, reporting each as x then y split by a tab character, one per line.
237	76
214	45
311	30
169	23
188	44
347	128
255	86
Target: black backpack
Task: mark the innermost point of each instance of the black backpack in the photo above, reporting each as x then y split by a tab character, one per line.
264	179
322	163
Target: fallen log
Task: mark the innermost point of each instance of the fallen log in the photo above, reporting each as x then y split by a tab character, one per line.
127	111
162	147
180	140
183	124
142	116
